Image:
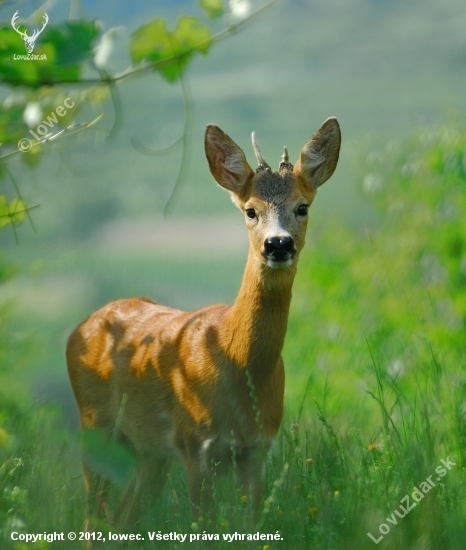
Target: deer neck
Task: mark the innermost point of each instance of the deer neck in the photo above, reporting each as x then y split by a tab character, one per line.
256	323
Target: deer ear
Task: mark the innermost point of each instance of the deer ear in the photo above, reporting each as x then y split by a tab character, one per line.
227	162
319	155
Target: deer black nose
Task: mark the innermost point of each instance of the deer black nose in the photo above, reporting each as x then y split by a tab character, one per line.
281	248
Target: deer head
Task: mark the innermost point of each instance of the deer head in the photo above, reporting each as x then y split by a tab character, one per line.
275	204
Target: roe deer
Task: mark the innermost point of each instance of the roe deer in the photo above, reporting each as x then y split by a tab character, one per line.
205	385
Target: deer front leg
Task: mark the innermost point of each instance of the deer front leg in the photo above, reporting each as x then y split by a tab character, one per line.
200	490
144	489
97	487
250	474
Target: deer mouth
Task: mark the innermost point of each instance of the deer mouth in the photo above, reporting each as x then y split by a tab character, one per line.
279	264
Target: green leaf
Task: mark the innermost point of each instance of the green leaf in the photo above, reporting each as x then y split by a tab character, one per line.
12	44
13	212
4	212
66	47
17	210
154	42
4	438
107	456
149	41
213	8
73	41
190	33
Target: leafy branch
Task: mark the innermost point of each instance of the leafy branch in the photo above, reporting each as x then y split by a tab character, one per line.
162	50
67	52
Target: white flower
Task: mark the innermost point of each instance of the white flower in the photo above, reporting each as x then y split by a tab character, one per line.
32	115
240	8
372	182
396	368
104	48
15	522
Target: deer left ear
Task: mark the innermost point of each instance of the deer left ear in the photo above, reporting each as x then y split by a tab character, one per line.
227	162
319	155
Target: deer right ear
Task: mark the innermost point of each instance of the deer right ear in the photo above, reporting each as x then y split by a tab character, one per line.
227	162
319	155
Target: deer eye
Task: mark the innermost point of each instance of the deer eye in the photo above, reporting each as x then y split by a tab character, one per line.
302	210
250	213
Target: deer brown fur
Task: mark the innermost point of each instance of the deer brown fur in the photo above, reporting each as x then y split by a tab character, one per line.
205	385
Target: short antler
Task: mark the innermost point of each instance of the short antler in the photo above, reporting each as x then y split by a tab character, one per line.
285	162
14	19
263	165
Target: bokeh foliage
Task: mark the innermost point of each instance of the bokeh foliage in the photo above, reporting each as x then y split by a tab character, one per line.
71	60
375	355
378	339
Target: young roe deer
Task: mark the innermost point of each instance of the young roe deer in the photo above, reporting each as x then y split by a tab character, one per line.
205	387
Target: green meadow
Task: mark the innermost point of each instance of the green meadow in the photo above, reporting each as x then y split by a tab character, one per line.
371	452
376	391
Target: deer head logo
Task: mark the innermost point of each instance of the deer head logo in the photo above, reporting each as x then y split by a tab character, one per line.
29	41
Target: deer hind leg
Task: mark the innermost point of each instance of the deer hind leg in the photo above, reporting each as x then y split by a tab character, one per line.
97	487
145	487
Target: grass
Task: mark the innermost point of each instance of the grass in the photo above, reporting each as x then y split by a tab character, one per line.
324	486
376	389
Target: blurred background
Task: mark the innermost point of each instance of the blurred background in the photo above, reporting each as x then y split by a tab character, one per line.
383	67
376	343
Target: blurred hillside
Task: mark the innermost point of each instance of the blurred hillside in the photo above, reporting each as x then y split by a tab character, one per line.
381	67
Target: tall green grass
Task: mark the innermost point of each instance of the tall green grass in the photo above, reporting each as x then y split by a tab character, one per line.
376	386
